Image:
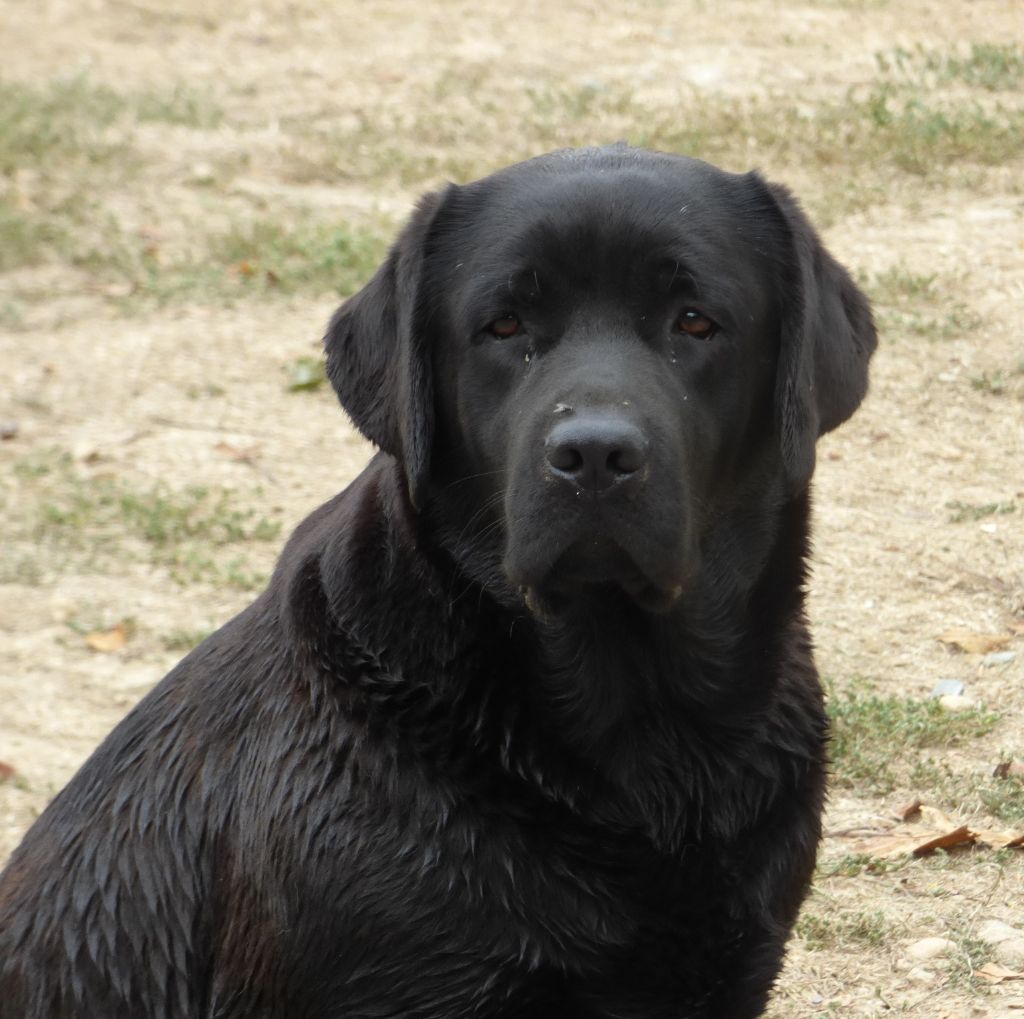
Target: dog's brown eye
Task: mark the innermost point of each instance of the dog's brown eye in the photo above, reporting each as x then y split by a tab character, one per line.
505	327
694	324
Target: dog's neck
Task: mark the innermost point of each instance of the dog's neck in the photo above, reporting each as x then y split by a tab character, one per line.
574	705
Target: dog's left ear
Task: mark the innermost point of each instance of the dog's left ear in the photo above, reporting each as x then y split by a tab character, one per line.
377	352
827	339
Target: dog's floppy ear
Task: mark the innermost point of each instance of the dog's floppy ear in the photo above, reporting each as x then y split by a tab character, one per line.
827	339
377	354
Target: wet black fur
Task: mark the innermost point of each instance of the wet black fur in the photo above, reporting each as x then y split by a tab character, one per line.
388	788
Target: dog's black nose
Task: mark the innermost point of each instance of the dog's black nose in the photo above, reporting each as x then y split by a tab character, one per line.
595	451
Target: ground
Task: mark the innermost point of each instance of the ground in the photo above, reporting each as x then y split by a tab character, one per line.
186	192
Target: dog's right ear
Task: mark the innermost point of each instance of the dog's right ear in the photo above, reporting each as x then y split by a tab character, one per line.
377	354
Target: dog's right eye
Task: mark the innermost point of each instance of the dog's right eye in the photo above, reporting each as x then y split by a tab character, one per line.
696	324
505	327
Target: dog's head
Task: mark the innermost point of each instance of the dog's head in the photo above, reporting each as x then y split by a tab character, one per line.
596	352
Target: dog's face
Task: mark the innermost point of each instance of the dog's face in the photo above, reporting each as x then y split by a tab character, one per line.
602	346
593	353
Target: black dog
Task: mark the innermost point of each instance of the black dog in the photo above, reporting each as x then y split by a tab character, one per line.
527	723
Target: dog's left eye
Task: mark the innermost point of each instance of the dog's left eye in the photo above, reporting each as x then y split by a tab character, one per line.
695	324
504	327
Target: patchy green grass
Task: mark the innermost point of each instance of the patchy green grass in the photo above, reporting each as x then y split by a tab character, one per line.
977	511
99	522
1001	382
21	566
856	864
867	730
66	121
25	238
79	121
906	302
269	255
62	144
992	66
899	285
892	123
922	135
1002	798
977	795
257	258
973	953
841	929
77	133
12	315
184	641
157	516
180	104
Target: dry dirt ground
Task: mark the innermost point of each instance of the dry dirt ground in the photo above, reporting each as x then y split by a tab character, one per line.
186	189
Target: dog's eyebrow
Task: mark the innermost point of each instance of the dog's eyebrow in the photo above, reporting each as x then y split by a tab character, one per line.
523	284
680	273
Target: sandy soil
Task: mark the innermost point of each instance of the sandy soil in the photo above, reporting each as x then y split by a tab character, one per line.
118	390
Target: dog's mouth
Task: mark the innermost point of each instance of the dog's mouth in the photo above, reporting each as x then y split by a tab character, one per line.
591	568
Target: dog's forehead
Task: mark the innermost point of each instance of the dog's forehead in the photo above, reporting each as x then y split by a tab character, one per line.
669	197
605	217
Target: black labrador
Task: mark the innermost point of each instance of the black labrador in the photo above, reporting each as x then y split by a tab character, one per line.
527	723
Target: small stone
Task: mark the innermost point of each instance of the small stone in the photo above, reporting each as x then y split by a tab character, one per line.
931	948
85	452
994	932
9	430
956	702
998	658
202	173
947	688
920	975
1011	953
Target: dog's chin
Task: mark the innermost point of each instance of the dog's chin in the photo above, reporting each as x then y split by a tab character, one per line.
593	571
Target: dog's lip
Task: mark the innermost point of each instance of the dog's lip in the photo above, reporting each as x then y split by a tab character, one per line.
590	564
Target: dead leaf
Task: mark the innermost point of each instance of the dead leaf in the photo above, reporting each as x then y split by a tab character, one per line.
306	373
116	290
974	643
935	818
108	640
245	454
1008	769
996	974
245	268
9	430
961	836
998	839
929	829
7	771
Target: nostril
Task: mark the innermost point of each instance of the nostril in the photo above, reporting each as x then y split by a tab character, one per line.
565	458
627	460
